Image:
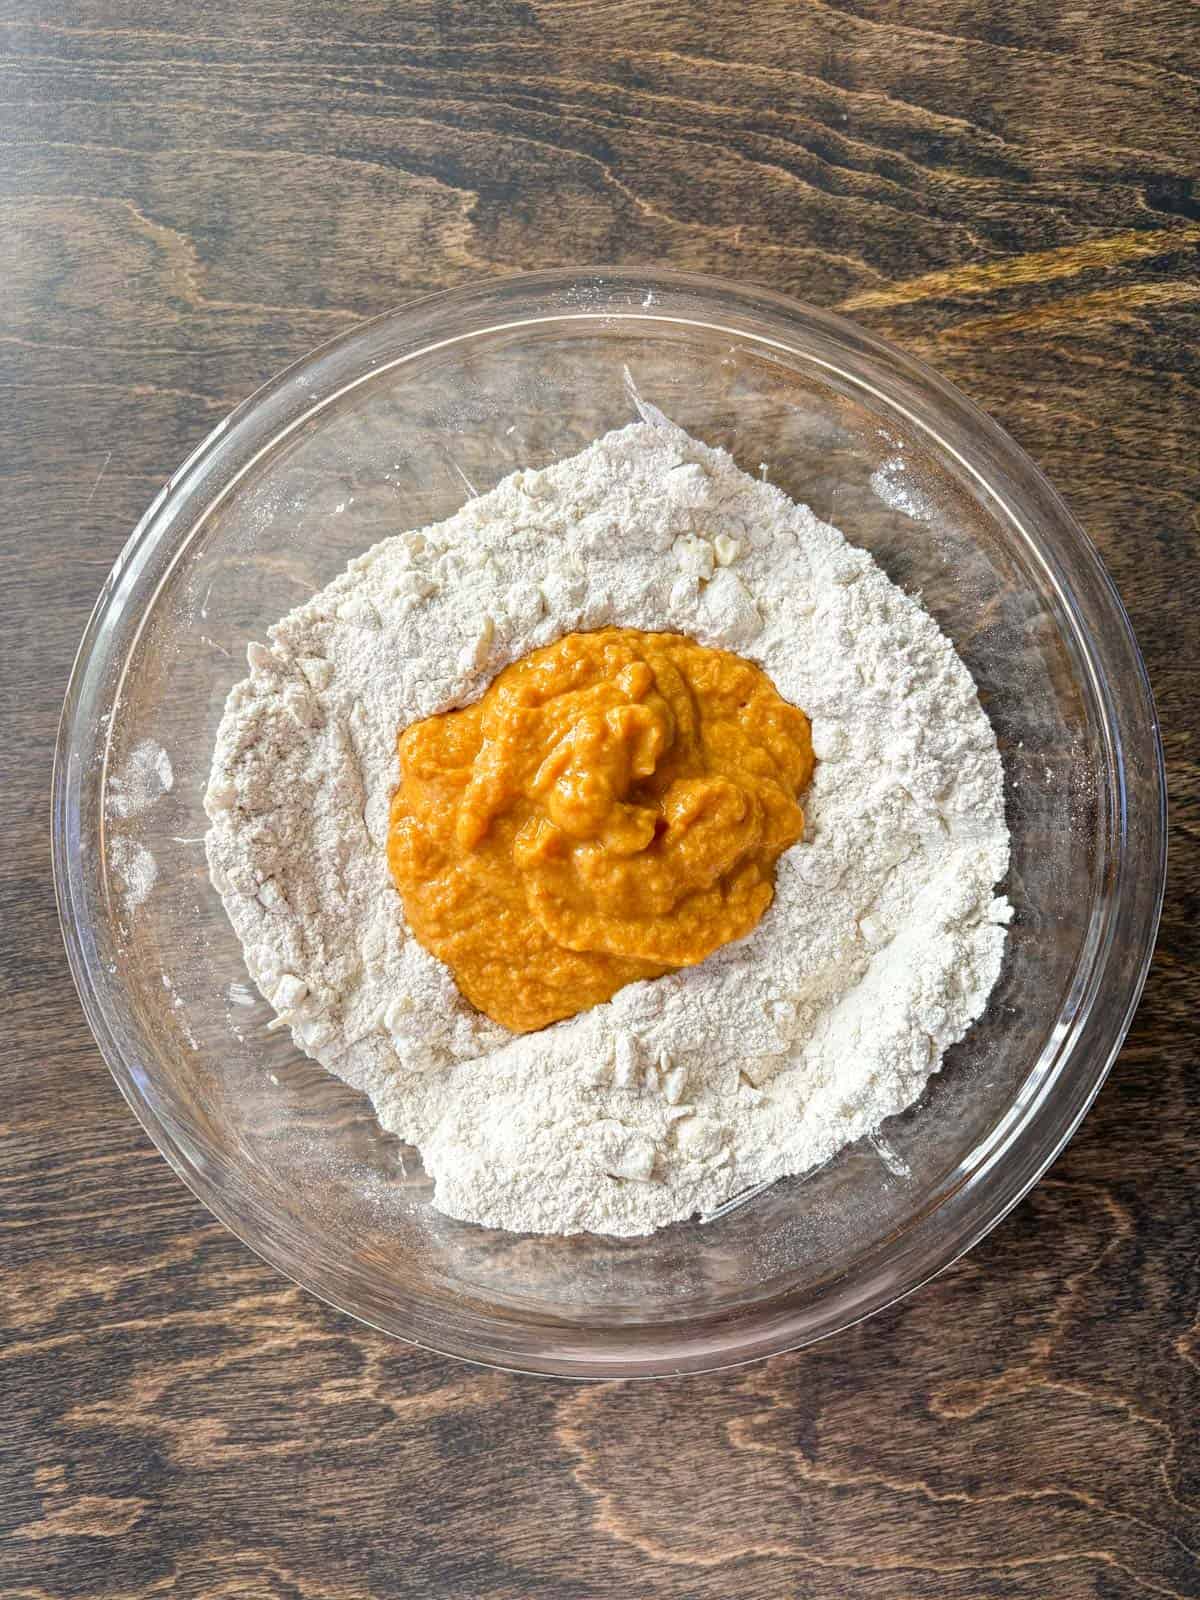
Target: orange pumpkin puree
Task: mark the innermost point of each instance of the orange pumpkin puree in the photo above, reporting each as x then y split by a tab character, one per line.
610	810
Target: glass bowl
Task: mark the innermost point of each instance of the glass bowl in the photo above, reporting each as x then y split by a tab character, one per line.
385	429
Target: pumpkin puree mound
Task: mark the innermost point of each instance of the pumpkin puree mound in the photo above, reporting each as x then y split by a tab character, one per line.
611	809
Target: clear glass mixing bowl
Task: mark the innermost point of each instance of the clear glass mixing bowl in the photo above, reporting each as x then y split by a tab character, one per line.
388	428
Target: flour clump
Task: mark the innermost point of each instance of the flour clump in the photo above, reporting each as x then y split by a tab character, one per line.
882	944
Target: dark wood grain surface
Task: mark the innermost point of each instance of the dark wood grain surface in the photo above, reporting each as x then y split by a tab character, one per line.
191	196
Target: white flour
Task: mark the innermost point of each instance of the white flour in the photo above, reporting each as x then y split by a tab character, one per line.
881	947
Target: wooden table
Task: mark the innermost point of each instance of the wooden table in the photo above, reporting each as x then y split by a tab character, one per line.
193	196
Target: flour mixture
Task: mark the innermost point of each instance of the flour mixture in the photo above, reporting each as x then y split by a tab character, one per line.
878	950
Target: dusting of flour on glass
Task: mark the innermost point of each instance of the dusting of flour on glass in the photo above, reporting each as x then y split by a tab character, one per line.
893	483
136	871
882	944
143	778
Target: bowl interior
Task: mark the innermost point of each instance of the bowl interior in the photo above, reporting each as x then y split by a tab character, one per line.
391	430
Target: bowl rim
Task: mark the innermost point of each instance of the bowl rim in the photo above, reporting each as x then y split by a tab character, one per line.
607	297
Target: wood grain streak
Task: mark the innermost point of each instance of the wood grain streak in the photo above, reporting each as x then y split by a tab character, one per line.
193	196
